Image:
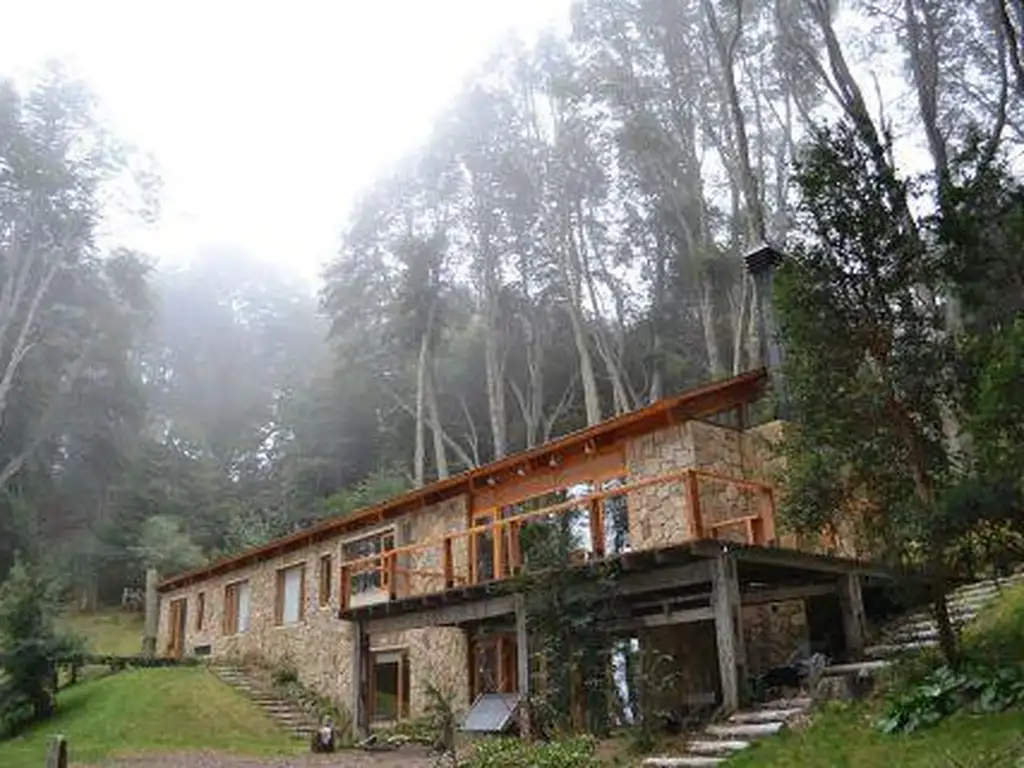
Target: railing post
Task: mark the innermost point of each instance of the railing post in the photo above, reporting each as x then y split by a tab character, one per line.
597	527
499	548
447	564
345	587
693	503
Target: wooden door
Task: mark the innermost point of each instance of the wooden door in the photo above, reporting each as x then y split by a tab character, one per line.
176	628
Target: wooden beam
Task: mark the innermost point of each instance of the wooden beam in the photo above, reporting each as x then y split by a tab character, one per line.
781	594
851	602
677	576
523	667
686	616
725	602
360	680
444	615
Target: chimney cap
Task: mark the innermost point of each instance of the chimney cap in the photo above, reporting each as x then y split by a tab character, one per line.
761	258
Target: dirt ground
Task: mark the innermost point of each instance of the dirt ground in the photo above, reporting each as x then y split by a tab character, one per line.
408	757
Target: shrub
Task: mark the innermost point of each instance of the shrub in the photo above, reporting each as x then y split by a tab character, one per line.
575	752
29	647
974	687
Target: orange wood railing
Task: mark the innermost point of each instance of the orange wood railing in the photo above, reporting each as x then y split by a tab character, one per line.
452	560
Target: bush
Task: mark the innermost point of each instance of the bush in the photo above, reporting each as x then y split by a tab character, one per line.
974	687
576	752
29	648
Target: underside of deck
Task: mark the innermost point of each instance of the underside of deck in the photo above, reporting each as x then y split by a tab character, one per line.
708	580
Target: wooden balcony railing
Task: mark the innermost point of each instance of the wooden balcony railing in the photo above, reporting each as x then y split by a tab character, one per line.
699	504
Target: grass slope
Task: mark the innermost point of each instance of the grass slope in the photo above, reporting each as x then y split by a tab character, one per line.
150	710
844	735
108	632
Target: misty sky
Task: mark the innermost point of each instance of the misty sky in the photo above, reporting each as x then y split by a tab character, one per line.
266	118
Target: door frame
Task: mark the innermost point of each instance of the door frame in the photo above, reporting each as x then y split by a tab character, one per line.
177	626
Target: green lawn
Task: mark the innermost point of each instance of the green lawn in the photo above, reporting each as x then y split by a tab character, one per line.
845	736
150	710
108	632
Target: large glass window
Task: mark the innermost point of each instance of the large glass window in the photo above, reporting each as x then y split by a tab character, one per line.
372	577
291	595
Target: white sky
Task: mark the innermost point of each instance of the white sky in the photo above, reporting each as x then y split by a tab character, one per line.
266	118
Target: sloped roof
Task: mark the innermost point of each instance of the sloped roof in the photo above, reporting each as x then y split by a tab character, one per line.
706	400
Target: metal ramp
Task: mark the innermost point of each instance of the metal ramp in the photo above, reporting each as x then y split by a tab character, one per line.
492	713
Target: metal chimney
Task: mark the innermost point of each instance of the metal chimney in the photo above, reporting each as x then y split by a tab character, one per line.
761	263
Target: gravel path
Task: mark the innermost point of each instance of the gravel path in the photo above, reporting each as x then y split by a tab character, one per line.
401	758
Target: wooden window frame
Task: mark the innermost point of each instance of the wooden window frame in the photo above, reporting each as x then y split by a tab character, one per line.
404	669
231	606
279	583
326	581
376	533
200	611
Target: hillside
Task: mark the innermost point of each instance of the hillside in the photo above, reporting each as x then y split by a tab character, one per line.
150	710
110	632
844	735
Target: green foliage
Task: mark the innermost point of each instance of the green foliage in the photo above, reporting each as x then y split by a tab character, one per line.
442	719
162	544
972	687
573	752
29	645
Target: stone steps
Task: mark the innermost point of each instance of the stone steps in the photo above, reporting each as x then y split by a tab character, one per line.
720	740
287	715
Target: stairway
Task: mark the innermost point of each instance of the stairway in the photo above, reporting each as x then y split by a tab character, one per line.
911	633
291	717
918	630
722	739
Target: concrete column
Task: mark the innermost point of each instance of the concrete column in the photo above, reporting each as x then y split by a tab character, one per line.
360	680
851	602
523	666
732	657
152	620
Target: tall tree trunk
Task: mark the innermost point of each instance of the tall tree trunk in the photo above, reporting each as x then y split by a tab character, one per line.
422	365
440	458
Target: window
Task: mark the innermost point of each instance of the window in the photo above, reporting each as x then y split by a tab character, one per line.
326	569
368	546
389	685
236	607
289	606
200	611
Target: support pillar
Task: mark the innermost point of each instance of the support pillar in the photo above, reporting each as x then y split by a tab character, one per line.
152	614
523	666
732	657
851	602
360	680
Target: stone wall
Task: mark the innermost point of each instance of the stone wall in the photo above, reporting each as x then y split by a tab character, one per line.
772	632
659	515
320	645
681	665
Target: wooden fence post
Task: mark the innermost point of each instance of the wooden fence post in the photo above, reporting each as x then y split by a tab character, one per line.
152	621
57	753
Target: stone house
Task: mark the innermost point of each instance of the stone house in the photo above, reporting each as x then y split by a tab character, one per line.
392	597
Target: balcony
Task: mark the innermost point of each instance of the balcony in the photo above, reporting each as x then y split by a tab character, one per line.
640	514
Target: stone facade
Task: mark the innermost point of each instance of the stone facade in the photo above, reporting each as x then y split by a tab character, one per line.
773	632
659	515
320	644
